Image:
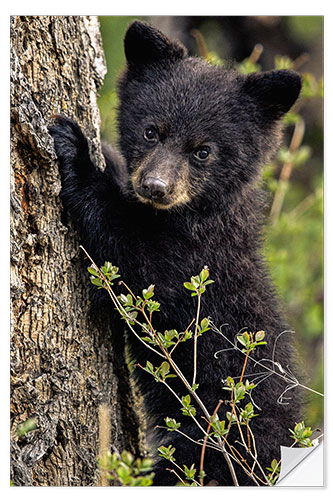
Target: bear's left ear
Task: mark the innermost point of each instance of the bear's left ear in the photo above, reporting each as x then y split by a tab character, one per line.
145	45
275	91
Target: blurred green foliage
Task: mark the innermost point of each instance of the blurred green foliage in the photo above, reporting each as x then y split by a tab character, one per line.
305	27
294	232
113	30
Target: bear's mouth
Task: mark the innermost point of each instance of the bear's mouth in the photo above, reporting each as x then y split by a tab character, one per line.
164	204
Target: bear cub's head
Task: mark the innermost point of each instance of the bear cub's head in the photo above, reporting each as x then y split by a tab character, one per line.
191	131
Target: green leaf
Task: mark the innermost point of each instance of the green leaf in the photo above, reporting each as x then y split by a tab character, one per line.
149	367
164	368
186	400
274	463
233	420
260	336
167	452
188	335
171	423
97	282
170	334
127	457
123	471
239	391
146	464
131	316
204	325
195	280
93	271
302	155
247	66
189	286
241	340
189	473
283	62
208	282
152	306
149	340
204	274
189	411
149	292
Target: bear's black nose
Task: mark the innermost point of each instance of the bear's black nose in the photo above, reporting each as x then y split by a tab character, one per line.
153	188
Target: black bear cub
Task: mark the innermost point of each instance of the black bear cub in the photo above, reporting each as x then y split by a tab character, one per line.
182	196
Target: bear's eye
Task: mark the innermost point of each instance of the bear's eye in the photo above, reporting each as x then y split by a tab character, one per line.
150	134
202	153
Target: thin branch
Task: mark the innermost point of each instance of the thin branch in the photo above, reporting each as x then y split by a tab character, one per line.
196	342
180	401
213	447
255	456
203	51
242	461
285	174
177	475
256	53
180	338
202	457
300	60
128	288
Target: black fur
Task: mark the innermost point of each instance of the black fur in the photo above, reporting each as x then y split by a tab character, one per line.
189	103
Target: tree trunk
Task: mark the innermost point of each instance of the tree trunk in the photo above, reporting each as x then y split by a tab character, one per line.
63	370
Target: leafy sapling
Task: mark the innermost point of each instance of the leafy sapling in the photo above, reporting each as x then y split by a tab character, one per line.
301	435
132	309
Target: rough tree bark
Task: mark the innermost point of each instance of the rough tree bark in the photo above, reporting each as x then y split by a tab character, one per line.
63	368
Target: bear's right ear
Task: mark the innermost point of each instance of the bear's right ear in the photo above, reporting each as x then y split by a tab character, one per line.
274	91
145	45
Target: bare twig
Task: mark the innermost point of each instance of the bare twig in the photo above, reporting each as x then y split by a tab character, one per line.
201	43
243	463
233	412
196	342
177	475
300	60
285	174
256	53
199	443
202	457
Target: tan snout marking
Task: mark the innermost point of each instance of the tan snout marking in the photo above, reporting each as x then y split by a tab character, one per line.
180	194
